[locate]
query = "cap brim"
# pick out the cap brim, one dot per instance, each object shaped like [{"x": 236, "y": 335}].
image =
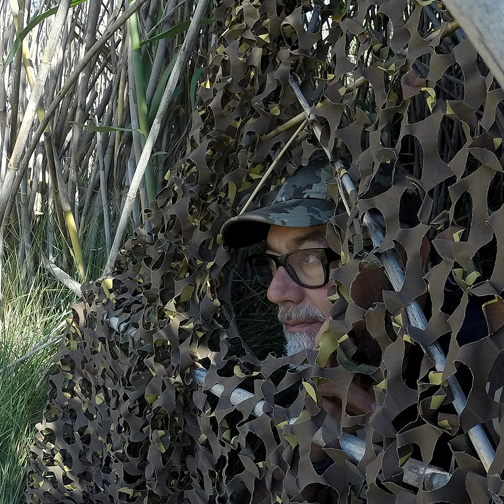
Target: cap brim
[{"x": 252, "y": 227}]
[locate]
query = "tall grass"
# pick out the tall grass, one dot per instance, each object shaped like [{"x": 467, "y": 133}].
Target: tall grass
[{"x": 33, "y": 319}]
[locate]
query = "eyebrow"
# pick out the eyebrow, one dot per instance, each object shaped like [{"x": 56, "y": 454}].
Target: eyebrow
[{"x": 316, "y": 236}]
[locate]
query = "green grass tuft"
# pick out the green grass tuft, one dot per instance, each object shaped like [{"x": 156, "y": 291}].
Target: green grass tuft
[{"x": 30, "y": 317}]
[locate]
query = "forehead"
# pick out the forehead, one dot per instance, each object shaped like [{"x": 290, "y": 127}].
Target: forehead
[{"x": 284, "y": 239}]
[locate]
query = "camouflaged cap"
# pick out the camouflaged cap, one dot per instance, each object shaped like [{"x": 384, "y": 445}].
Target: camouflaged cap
[{"x": 300, "y": 202}]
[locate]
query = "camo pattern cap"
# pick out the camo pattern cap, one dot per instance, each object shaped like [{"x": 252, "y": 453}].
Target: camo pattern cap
[{"x": 300, "y": 202}]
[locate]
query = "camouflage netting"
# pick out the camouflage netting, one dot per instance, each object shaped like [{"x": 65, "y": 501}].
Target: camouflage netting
[{"x": 407, "y": 104}]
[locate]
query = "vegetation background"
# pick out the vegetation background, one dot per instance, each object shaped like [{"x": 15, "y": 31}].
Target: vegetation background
[
  {"x": 89, "y": 91},
  {"x": 80, "y": 89}
]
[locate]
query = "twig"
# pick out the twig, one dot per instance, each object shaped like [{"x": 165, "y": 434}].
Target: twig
[
  {"x": 16, "y": 79},
  {"x": 66, "y": 207},
  {"x": 120, "y": 105},
  {"x": 103, "y": 189},
  {"x": 31, "y": 108},
  {"x": 182, "y": 58},
  {"x": 25, "y": 234},
  {"x": 138, "y": 105},
  {"x": 92, "y": 181},
  {"x": 82, "y": 91},
  {"x": 301, "y": 116},
  {"x": 275, "y": 162},
  {"x": 63, "y": 277},
  {"x": 136, "y": 210},
  {"x": 446, "y": 30},
  {"x": 57, "y": 214},
  {"x": 64, "y": 92}
]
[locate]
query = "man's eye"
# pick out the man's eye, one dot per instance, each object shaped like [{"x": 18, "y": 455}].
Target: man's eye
[{"x": 310, "y": 258}]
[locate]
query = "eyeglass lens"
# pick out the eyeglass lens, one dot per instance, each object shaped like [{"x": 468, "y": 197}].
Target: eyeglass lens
[{"x": 305, "y": 267}]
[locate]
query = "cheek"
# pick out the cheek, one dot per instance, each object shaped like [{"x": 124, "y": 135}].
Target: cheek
[{"x": 318, "y": 299}]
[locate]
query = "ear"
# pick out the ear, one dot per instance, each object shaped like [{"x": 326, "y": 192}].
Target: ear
[{"x": 425, "y": 250}]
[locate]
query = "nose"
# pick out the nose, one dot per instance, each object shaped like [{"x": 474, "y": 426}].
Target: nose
[{"x": 283, "y": 289}]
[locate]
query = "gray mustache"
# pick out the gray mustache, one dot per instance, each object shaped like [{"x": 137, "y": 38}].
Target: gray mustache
[{"x": 300, "y": 313}]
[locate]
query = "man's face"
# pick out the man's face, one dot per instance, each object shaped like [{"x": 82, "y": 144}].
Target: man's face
[{"x": 302, "y": 311}]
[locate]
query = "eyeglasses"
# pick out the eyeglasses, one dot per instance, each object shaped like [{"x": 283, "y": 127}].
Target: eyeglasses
[{"x": 309, "y": 268}]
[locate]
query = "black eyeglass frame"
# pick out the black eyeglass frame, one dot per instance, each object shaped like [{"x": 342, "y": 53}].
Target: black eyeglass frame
[{"x": 325, "y": 254}]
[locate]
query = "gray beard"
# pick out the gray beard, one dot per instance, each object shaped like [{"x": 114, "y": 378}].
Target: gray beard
[{"x": 295, "y": 342}]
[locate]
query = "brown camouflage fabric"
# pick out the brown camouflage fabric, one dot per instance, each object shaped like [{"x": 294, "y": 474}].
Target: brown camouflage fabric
[{"x": 405, "y": 100}]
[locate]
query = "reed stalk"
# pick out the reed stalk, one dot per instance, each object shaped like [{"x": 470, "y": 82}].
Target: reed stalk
[{"x": 182, "y": 58}]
